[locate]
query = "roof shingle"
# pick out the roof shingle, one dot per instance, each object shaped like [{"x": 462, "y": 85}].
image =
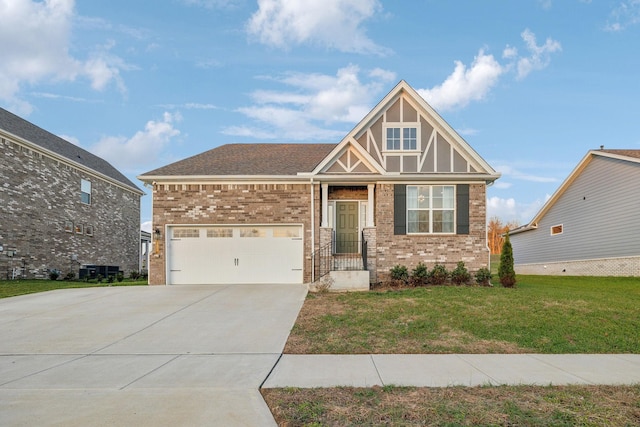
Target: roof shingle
[
  {"x": 628, "y": 153},
  {"x": 249, "y": 159},
  {"x": 38, "y": 136}
]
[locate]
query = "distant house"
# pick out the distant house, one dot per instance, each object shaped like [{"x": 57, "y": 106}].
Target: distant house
[
  {"x": 591, "y": 224},
  {"x": 401, "y": 188},
  {"x": 60, "y": 206}
]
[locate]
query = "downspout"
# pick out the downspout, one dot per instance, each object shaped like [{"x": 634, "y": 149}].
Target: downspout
[{"x": 313, "y": 233}]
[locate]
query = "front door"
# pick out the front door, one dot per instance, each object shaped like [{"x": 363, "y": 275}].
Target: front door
[{"x": 347, "y": 228}]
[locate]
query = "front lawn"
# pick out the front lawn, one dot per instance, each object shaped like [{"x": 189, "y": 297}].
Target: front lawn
[
  {"x": 543, "y": 314},
  {"x": 457, "y": 406},
  {"x": 11, "y": 288}
]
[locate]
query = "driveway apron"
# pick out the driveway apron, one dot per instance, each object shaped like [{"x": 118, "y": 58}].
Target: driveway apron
[{"x": 165, "y": 355}]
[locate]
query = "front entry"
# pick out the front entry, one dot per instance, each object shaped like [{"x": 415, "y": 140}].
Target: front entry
[{"x": 347, "y": 228}]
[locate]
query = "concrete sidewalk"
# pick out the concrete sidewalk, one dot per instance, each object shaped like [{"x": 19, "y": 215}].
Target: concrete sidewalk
[{"x": 443, "y": 370}]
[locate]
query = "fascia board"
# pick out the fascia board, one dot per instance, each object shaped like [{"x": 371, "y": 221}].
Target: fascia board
[{"x": 66, "y": 160}]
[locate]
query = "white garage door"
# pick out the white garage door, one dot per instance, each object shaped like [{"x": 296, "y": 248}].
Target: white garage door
[{"x": 241, "y": 254}]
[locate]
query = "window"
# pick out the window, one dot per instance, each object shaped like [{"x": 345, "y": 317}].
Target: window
[
  {"x": 556, "y": 229},
  {"x": 219, "y": 232},
  {"x": 430, "y": 208},
  {"x": 88, "y": 230},
  {"x": 85, "y": 191},
  {"x": 253, "y": 232},
  {"x": 291, "y": 232},
  {"x": 401, "y": 138},
  {"x": 186, "y": 233},
  {"x": 68, "y": 226},
  {"x": 79, "y": 229}
]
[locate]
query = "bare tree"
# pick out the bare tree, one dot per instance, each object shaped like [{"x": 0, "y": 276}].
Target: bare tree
[{"x": 495, "y": 230}]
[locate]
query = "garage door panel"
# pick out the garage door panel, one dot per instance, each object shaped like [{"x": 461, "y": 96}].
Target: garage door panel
[{"x": 227, "y": 255}]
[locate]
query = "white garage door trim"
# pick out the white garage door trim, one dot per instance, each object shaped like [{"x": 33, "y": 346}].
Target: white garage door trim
[{"x": 235, "y": 254}]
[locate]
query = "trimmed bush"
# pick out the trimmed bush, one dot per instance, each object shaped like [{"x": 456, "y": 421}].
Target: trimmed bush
[
  {"x": 460, "y": 275},
  {"x": 134, "y": 275},
  {"x": 70, "y": 276},
  {"x": 483, "y": 277},
  {"x": 399, "y": 272},
  {"x": 439, "y": 275},
  {"x": 54, "y": 274},
  {"x": 120, "y": 277},
  {"x": 420, "y": 275}
]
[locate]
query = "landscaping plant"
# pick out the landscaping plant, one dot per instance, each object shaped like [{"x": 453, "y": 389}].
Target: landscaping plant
[
  {"x": 399, "y": 272},
  {"x": 506, "y": 273},
  {"x": 483, "y": 277},
  {"x": 460, "y": 275},
  {"x": 420, "y": 275},
  {"x": 439, "y": 275}
]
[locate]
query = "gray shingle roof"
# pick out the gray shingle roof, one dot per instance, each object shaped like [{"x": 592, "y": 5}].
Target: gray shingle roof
[
  {"x": 249, "y": 159},
  {"x": 620, "y": 152},
  {"x": 15, "y": 125}
]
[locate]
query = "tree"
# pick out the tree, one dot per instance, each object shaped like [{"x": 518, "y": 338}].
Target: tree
[
  {"x": 506, "y": 273},
  {"x": 495, "y": 230}
]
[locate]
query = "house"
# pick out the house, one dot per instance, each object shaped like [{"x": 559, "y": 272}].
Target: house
[
  {"x": 401, "y": 188},
  {"x": 61, "y": 207},
  {"x": 591, "y": 224}
]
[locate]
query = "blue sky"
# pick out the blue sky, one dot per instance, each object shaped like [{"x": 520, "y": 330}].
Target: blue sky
[{"x": 531, "y": 85}]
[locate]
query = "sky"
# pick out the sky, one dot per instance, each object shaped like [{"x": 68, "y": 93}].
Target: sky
[{"x": 531, "y": 85}]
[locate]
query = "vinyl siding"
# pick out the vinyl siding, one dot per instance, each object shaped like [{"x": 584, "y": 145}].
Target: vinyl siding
[{"x": 599, "y": 213}]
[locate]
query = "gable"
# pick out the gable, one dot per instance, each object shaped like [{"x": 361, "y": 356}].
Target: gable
[
  {"x": 404, "y": 135},
  {"x": 350, "y": 160}
]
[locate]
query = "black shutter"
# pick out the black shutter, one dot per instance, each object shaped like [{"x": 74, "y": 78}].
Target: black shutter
[
  {"x": 399, "y": 209},
  {"x": 462, "y": 209}
]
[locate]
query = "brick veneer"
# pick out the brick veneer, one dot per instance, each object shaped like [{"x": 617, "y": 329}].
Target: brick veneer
[
  {"x": 209, "y": 204},
  {"x": 447, "y": 250},
  {"x": 236, "y": 204},
  {"x": 40, "y": 193}
]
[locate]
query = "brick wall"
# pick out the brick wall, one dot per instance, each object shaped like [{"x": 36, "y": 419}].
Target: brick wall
[
  {"x": 447, "y": 250},
  {"x": 209, "y": 204},
  {"x": 629, "y": 266},
  {"x": 39, "y": 195}
]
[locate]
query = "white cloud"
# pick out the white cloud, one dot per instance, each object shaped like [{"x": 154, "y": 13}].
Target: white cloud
[
  {"x": 333, "y": 24},
  {"x": 514, "y": 173},
  {"x": 540, "y": 56},
  {"x": 34, "y": 36},
  {"x": 142, "y": 149},
  {"x": 502, "y": 185},
  {"x": 474, "y": 83},
  {"x": 465, "y": 84},
  {"x": 313, "y": 102},
  {"x": 626, "y": 14},
  {"x": 510, "y": 210}
]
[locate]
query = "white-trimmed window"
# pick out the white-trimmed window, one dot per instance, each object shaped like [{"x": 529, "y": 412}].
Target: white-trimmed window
[
  {"x": 401, "y": 137},
  {"x": 556, "y": 229},
  {"x": 79, "y": 229},
  {"x": 219, "y": 232},
  {"x": 88, "y": 230},
  {"x": 85, "y": 191},
  {"x": 430, "y": 209},
  {"x": 68, "y": 226}
]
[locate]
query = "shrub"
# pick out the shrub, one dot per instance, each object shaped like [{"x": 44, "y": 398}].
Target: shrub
[
  {"x": 399, "y": 272},
  {"x": 120, "y": 277},
  {"x": 460, "y": 275},
  {"x": 483, "y": 277},
  {"x": 99, "y": 278},
  {"x": 70, "y": 276},
  {"x": 439, "y": 275},
  {"x": 134, "y": 275},
  {"x": 110, "y": 278},
  {"x": 506, "y": 273},
  {"x": 54, "y": 274},
  {"x": 420, "y": 275}
]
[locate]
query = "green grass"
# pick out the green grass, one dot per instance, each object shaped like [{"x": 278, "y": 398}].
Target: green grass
[
  {"x": 543, "y": 314},
  {"x": 457, "y": 406},
  {"x": 11, "y": 288}
]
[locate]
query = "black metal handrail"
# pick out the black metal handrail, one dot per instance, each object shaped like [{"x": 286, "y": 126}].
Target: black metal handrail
[{"x": 325, "y": 259}]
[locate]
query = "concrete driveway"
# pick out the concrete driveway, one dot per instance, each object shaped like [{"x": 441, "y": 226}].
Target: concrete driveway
[{"x": 144, "y": 356}]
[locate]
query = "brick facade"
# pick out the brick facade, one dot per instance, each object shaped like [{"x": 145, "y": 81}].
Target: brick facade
[
  {"x": 40, "y": 195},
  {"x": 232, "y": 204},
  {"x": 237, "y": 204},
  {"x": 447, "y": 250}
]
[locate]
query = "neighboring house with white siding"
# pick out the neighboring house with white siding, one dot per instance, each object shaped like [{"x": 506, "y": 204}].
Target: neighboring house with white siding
[{"x": 591, "y": 224}]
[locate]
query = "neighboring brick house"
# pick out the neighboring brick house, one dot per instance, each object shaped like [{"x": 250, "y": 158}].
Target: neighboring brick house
[
  {"x": 590, "y": 226},
  {"x": 61, "y": 206},
  {"x": 402, "y": 180}
]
